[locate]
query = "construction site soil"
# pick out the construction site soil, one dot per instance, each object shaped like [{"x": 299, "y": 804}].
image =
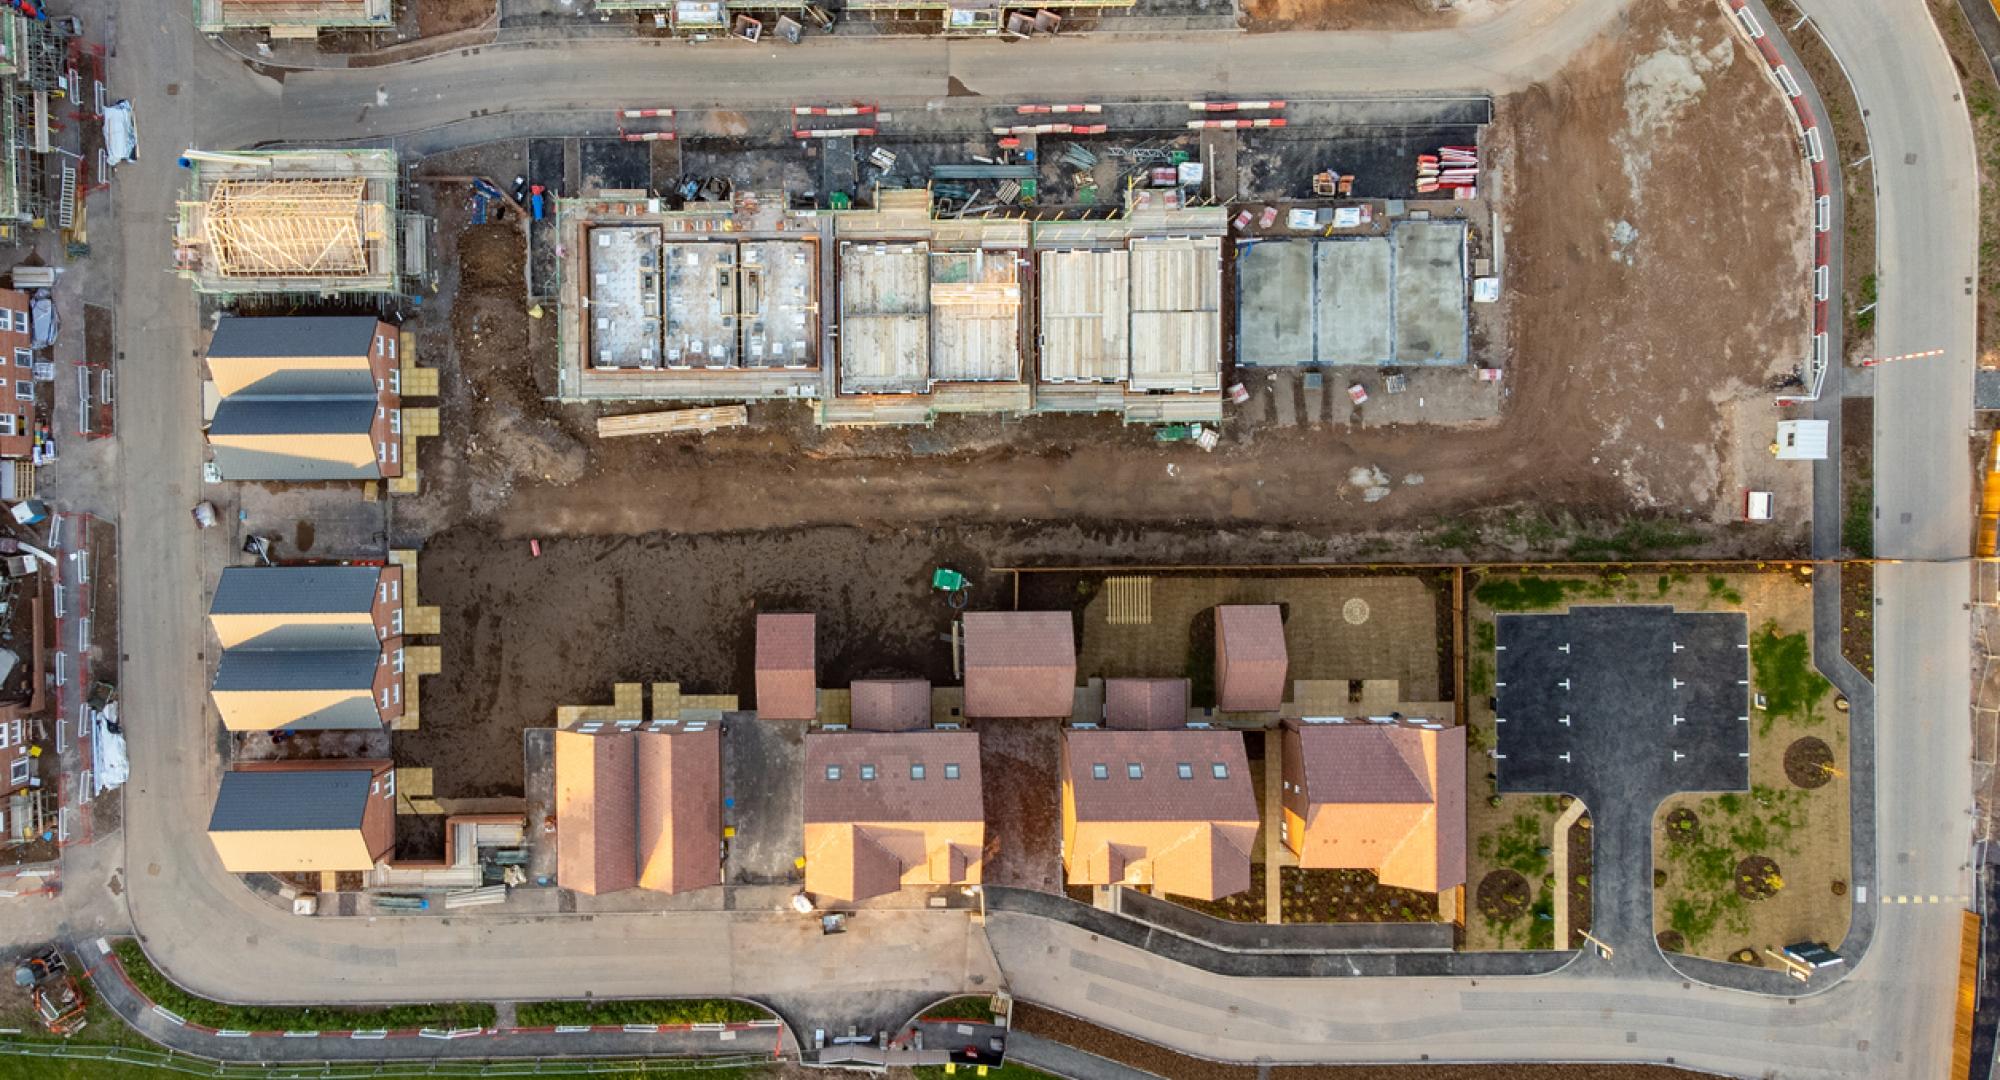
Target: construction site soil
[{"x": 1641, "y": 322}]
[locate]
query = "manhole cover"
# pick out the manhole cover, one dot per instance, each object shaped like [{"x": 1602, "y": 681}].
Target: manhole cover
[{"x": 1355, "y": 611}]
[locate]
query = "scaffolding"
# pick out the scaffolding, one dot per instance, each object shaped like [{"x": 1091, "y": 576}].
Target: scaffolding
[{"x": 295, "y": 16}]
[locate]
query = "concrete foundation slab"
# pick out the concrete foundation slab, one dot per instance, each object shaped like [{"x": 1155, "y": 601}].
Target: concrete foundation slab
[
  {"x": 1352, "y": 283},
  {"x": 1430, "y": 292},
  {"x": 1274, "y": 308}
]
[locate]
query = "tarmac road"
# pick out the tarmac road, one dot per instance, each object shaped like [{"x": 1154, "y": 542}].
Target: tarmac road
[
  {"x": 1504, "y": 53},
  {"x": 1892, "y": 1017}
]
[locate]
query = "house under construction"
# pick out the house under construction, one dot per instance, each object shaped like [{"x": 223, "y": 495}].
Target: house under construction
[
  {"x": 983, "y": 17},
  {"x": 699, "y": 18},
  {"x": 291, "y": 18},
  {"x": 310, "y": 222},
  {"x": 892, "y": 315}
]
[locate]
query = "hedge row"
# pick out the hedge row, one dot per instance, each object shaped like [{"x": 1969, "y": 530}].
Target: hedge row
[
  {"x": 215, "y": 1014},
  {"x": 662, "y": 1011}
]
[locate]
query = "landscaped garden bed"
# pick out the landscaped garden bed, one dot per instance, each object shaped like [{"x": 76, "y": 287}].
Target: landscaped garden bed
[
  {"x": 1741, "y": 872},
  {"x": 1320, "y": 896}
]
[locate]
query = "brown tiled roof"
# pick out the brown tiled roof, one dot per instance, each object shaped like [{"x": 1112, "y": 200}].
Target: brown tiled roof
[
  {"x": 1145, "y": 704},
  {"x": 1209, "y": 863},
  {"x": 639, "y": 809},
  {"x": 1019, "y": 664},
  {"x": 880, "y": 825},
  {"x": 844, "y": 863},
  {"x": 891, "y": 704},
  {"x": 597, "y": 812},
  {"x": 1160, "y": 793},
  {"x": 1383, "y": 797},
  {"x": 1249, "y": 658},
  {"x": 787, "y": 680},
  {"x": 680, "y": 807},
  {"x": 892, "y": 796}
]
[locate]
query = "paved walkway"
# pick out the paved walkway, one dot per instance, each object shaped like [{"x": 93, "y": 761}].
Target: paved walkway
[
  {"x": 1054, "y": 1057},
  {"x": 1559, "y": 841},
  {"x": 1274, "y": 814}
]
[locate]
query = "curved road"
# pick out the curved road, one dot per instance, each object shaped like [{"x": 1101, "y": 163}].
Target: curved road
[{"x": 1892, "y": 1016}]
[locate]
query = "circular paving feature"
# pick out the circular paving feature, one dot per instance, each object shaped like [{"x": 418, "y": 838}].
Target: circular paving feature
[{"x": 1355, "y": 611}]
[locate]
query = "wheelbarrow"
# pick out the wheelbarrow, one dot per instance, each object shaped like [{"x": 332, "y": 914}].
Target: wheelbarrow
[{"x": 958, "y": 591}]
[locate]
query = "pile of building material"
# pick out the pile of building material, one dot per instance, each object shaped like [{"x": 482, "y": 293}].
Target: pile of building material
[
  {"x": 674, "y": 422},
  {"x": 1452, "y": 168}
]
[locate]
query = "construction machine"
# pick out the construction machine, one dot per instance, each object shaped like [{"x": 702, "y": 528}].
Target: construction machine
[{"x": 57, "y": 998}]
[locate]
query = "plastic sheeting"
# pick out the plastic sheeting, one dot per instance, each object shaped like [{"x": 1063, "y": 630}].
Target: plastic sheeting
[
  {"x": 121, "y": 136},
  {"x": 107, "y": 751},
  {"x": 46, "y": 325}
]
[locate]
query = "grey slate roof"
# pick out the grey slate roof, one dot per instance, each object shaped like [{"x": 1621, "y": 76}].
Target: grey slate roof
[
  {"x": 288, "y": 590},
  {"x": 299, "y": 335},
  {"x": 309, "y": 383},
  {"x": 297, "y": 669},
  {"x": 287, "y": 801},
  {"x": 237, "y": 463},
  {"x": 239, "y": 414}
]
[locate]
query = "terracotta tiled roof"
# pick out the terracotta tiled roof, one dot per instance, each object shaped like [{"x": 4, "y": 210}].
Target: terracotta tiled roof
[
  {"x": 787, "y": 680},
  {"x": 1249, "y": 658},
  {"x": 891, "y": 704},
  {"x": 639, "y": 809},
  {"x": 1188, "y": 830},
  {"x": 1019, "y": 664},
  {"x": 844, "y": 863},
  {"x": 1145, "y": 704},
  {"x": 1160, "y": 792},
  {"x": 893, "y": 794},
  {"x": 884, "y": 810},
  {"x": 597, "y": 812},
  {"x": 1383, "y": 797},
  {"x": 680, "y": 807}
]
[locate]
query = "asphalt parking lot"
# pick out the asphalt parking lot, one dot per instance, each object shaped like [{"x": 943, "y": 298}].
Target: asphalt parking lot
[{"x": 1631, "y": 702}]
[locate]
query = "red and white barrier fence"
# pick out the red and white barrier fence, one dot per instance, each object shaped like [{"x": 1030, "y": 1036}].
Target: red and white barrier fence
[
  {"x": 1813, "y": 148},
  {"x": 1261, "y": 122},
  {"x": 1234, "y": 106},
  {"x": 641, "y": 114},
  {"x": 648, "y": 136},
  {"x": 831, "y": 133},
  {"x": 833, "y": 110},
  {"x": 1032, "y": 110},
  {"x": 1052, "y": 129}
]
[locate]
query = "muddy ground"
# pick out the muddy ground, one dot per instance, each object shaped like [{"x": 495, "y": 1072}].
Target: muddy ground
[
  {"x": 1641, "y": 312},
  {"x": 1654, "y": 195},
  {"x": 524, "y": 634}
]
